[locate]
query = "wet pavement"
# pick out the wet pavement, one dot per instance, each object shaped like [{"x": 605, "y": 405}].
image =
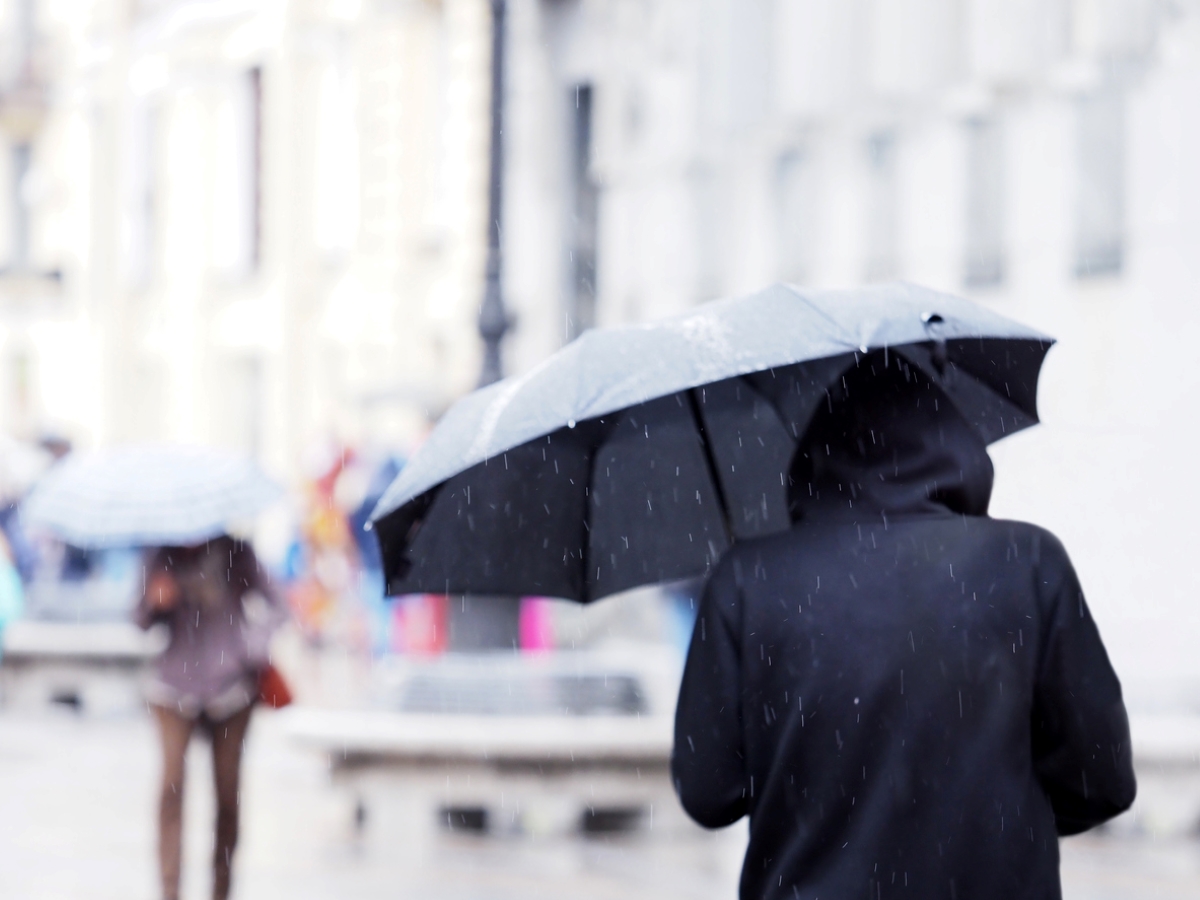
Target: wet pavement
[{"x": 76, "y": 821}]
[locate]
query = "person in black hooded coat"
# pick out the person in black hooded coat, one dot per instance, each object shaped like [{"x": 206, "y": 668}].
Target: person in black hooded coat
[{"x": 906, "y": 697}]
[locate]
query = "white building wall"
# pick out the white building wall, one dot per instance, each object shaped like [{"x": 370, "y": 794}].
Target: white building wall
[{"x": 691, "y": 195}]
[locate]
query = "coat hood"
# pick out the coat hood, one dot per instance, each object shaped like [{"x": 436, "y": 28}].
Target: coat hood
[{"x": 889, "y": 442}]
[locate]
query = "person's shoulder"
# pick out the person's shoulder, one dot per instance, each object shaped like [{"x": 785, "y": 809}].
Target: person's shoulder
[
  {"x": 1037, "y": 545},
  {"x": 750, "y": 559},
  {"x": 1023, "y": 532}
]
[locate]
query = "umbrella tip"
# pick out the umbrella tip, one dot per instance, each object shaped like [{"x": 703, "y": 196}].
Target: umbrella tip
[{"x": 932, "y": 318}]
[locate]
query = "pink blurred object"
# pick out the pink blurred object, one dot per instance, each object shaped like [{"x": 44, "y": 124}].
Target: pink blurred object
[
  {"x": 419, "y": 624},
  {"x": 536, "y": 627}
]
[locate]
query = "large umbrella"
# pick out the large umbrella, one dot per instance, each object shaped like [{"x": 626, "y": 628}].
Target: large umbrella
[
  {"x": 147, "y": 495},
  {"x": 636, "y": 455}
]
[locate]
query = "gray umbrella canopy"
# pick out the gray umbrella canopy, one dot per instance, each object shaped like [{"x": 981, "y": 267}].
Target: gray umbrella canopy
[{"x": 636, "y": 455}]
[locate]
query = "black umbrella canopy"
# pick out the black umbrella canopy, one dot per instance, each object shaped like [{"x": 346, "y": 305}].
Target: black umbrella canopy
[{"x": 637, "y": 455}]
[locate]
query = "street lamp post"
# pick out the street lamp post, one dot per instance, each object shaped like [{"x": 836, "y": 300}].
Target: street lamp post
[
  {"x": 493, "y": 318},
  {"x": 495, "y": 623}
]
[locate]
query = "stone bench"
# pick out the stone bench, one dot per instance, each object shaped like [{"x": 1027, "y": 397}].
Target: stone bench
[
  {"x": 507, "y": 742},
  {"x": 87, "y": 665}
]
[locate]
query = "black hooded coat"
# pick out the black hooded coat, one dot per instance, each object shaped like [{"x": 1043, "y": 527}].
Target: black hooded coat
[{"x": 907, "y": 698}]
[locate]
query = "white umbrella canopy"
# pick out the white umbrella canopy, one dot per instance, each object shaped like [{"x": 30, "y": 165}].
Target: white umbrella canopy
[{"x": 148, "y": 495}]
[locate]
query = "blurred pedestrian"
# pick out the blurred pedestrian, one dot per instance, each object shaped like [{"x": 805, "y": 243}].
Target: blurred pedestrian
[
  {"x": 905, "y": 696},
  {"x": 379, "y": 608},
  {"x": 12, "y": 592},
  {"x": 220, "y": 611},
  {"x": 323, "y": 593}
]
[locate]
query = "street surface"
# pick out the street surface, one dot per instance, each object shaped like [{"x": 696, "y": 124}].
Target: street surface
[{"x": 77, "y": 821}]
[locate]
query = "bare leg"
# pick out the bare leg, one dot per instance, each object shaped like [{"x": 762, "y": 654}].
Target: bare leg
[
  {"x": 174, "y": 730},
  {"x": 228, "y": 737}
]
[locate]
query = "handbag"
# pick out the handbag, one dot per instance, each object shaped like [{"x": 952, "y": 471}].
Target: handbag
[{"x": 273, "y": 690}]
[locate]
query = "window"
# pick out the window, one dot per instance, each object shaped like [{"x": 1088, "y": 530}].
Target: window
[
  {"x": 255, "y": 91},
  {"x": 22, "y": 155},
  {"x": 795, "y": 203},
  {"x": 584, "y": 199},
  {"x": 141, "y": 201},
  {"x": 1100, "y": 185},
  {"x": 881, "y": 226},
  {"x": 20, "y": 389},
  {"x": 236, "y": 236},
  {"x": 984, "y": 263},
  {"x": 337, "y": 180},
  {"x": 245, "y": 404}
]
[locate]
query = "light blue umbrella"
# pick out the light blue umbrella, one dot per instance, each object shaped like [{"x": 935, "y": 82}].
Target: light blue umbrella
[{"x": 148, "y": 495}]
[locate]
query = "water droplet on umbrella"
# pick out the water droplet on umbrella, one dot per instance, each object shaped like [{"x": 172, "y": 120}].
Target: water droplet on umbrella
[{"x": 570, "y": 423}]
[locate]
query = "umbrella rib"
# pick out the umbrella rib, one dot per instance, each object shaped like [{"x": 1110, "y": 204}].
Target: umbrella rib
[
  {"x": 585, "y": 548},
  {"x": 713, "y": 471},
  {"x": 838, "y": 326}
]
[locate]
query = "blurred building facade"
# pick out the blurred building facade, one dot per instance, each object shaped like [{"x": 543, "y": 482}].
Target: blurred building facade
[
  {"x": 677, "y": 151},
  {"x": 255, "y": 224},
  {"x": 1034, "y": 154},
  {"x": 259, "y": 223}
]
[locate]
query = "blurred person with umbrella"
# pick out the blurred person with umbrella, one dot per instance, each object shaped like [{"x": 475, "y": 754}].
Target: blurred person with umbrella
[
  {"x": 20, "y": 466},
  {"x": 205, "y": 586},
  {"x": 370, "y": 562},
  {"x": 12, "y": 592},
  {"x": 323, "y": 559},
  {"x": 646, "y": 454}
]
